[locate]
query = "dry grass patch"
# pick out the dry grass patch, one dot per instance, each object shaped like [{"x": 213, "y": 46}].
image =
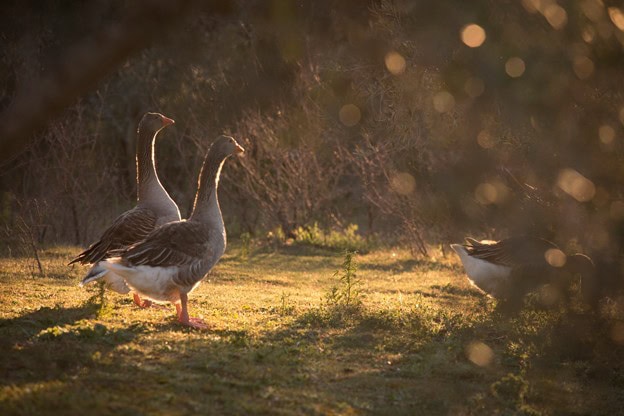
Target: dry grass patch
[{"x": 419, "y": 340}]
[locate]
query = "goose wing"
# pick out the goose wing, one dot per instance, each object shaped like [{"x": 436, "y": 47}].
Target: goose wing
[
  {"x": 516, "y": 252},
  {"x": 174, "y": 244},
  {"x": 130, "y": 227}
]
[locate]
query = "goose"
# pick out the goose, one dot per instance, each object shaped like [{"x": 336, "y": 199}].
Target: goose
[
  {"x": 154, "y": 207},
  {"x": 173, "y": 259},
  {"x": 510, "y": 268}
]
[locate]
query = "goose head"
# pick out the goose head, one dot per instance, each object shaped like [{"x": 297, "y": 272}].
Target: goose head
[
  {"x": 154, "y": 122},
  {"x": 226, "y": 146}
]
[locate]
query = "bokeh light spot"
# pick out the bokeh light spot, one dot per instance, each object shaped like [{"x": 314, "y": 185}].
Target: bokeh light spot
[
  {"x": 606, "y": 134},
  {"x": 515, "y": 67},
  {"x": 479, "y": 353},
  {"x": 403, "y": 183},
  {"x": 485, "y": 140},
  {"x": 474, "y": 87},
  {"x": 617, "y": 333},
  {"x": 555, "y": 257},
  {"x": 486, "y": 194},
  {"x": 443, "y": 102},
  {"x": 617, "y": 17},
  {"x": 555, "y": 15},
  {"x": 494, "y": 192},
  {"x": 583, "y": 67},
  {"x": 349, "y": 115},
  {"x": 473, "y": 35},
  {"x": 576, "y": 185},
  {"x": 395, "y": 63},
  {"x": 588, "y": 34}
]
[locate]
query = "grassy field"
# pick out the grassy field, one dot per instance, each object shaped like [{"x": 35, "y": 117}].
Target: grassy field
[{"x": 416, "y": 339}]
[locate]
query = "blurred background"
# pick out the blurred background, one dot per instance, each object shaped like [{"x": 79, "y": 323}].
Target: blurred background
[{"x": 405, "y": 122}]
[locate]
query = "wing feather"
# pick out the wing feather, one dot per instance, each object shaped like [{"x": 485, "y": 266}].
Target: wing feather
[
  {"x": 129, "y": 228},
  {"x": 173, "y": 244},
  {"x": 513, "y": 252}
]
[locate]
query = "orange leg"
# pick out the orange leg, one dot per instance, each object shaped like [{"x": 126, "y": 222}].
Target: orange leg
[
  {"x": 145, "y": 303},
  {"x": 183, "y": 316},
  {"x": 141, "y": 303}
]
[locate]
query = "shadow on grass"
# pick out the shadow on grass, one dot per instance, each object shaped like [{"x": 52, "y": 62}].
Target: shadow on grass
[
  {"x": 458, "y": 291},
  {"x": 318, "y": 361},
  {"x": 446, "y": 292},
  {"x": 52, "y": 343}
]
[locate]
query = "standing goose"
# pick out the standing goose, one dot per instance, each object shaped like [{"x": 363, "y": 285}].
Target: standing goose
[
  {"x": 154, "y": 207},
  {"x": 510, "y": 268},
  {"x": 171, "y": 261}
]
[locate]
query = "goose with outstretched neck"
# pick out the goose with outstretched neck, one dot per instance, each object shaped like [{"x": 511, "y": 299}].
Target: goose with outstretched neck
[
  {"x": 173, "y": 259},
  {"x": 154, "y": 207}
]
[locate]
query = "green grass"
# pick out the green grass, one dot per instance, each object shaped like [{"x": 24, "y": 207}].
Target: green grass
[{"x": 277, "y": 346}]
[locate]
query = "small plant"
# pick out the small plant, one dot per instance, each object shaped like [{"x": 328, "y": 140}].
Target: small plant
[
  {"x": 245, "y": 245},
  {"x": 99, "y": 301},
  {"x": 276, "y": 237},
  {"x": 285, "y": 307},
  {"x": 345, "y": 293},
  {"x": 512, "y": 391},
  {"x": 29, "y": 232}
]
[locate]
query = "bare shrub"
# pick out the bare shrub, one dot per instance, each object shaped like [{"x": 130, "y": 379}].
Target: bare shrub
[
  {"x": 289, "y": 175},
  {"x": 26, "y": 230}
]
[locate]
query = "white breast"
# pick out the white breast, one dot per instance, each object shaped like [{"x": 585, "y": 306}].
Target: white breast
[{"x": 489, "y": 277}]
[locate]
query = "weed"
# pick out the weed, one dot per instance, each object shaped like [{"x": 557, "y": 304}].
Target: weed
[
  {"x": 511, "y": 391},
  {"x": 245, "y": 246},
  {"x": 285, "y": 307},
  {"x": 99, "y": 301},
  {"x": 345, "y": 293}
]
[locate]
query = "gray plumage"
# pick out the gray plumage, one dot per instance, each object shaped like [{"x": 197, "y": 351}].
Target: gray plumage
[
  {"x": 154, "y": 205},
  {"x": 171, "y": 261}
]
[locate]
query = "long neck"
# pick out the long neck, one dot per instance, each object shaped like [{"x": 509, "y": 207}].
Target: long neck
[
  {"x": 149, "y": 187},
  {"x": 206, "y": 206}
]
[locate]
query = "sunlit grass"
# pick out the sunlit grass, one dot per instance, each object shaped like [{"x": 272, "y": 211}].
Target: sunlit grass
[{"x": 422, "y": 341}]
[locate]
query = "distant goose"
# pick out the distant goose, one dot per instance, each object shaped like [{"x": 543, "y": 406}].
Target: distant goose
[
  {"x": 510, "y": 268},
  {"x": 171, "y": 261},
  {"x": 154, "y": 207}
]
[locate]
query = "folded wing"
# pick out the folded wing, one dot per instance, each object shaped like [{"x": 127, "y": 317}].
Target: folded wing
[
  {"x": 174, "y": 244},
  {"x": 130, "y": 227}
]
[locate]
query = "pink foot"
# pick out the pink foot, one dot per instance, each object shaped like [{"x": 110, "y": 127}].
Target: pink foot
[
  {"x": 183, "y": 316},
  {"x": 197, "y": 323}
]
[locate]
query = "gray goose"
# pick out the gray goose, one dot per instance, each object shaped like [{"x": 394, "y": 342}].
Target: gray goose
[
  {"x": 154, "y": 207},
  {"x": 172, "y": 260},
  {"x": 510, "y": 268}
]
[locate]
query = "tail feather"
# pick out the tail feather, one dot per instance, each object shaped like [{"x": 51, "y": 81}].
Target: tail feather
[
  {"x": 94, "y": 253},
  {"x": 459, "y": 249},
  {"x": 94, "y": 273},
  {"x": 473, "y": 242}
]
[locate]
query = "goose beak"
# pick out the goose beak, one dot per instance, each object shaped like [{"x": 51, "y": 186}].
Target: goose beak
[
  {"x": 238, "y": 149},
  {"x": 167, "y": 121}
]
